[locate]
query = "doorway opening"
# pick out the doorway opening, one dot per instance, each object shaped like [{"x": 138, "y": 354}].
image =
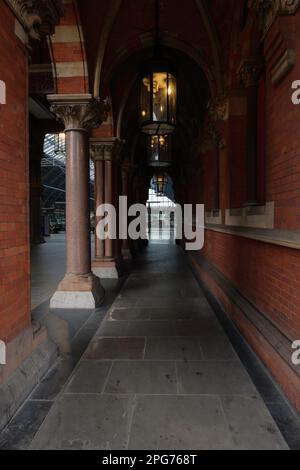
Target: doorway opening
[{"x": 161, "y": 213}]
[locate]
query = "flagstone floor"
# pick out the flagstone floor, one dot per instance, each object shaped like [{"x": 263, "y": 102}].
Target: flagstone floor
[{"x": 160, "y": 373}]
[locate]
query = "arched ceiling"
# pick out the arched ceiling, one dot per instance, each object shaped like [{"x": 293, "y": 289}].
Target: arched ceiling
[
  {"x": 195, "y": 35},
  {"x": 116, "y": 29},
  {"x": 193, "y": 95}
]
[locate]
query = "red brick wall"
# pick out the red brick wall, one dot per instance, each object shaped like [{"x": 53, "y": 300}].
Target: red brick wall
[
  {"x": 211, "y": 178},
  {"x": 283, "y": 131},
  {"x": 261, "y": 144},
  {"x": 237, "y": 155},
  {"x": 268, "y": 275},
  {"x": 14, "y": 244},
  {"x": 65, "y": 51},
  {"x": 281, "y": 371}
]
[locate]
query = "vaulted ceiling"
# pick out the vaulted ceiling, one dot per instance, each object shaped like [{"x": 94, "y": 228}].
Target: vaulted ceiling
[
  {"x": 117, "y": 29},
  {"x": 196, "y": 36}
]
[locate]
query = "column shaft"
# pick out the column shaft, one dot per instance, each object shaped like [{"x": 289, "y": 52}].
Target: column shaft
[
  {"x": 109, "y": 244},
  {"x": 77, "y": 204},
  {"x": 79, "y": 288},
  {"x": 125, "y": 246},
  {"x": 104, "y": 151},
  {"x": 99, "y": 200}
]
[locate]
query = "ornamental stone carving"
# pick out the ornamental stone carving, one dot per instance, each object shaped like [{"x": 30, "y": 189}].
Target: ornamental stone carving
[
  {"x": 38, "y": 17},
  {"x": 250, "y": 71},
  {"x": 218, "y": 108},
  {"x": 106, "y": 149},
  {"x": 210, "y": 136},
  {"x": 78, "y": 112},
  {"x": 268, "y": 10}
]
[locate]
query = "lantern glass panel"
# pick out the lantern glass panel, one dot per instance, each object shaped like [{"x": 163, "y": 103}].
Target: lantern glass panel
[
  {"x": 154, "y": 150},
  {"x": 172, "y": 98},
  {"x": 145, "y": 98},
  {"x": 158, "y": 100},
  {"x": 159, "y": 150},
  {"x": 165, "y": 149},
  {"x": 160, "y": 180},
  {"x": 160, "y": 97}
]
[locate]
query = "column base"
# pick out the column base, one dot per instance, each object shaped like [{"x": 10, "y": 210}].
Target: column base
[
  {"x": 107, "y": 268},
  {"x": 78, "y": 292},
  {"x": 38, "y": 240}
]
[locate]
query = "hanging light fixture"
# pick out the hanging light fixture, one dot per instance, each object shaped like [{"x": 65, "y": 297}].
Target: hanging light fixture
[
  {"x": 158, "y": 91},
  {"x": 160, "y": 181},
  {"x": 160, "y": 150},
  {"x": 60, "y": 143}
]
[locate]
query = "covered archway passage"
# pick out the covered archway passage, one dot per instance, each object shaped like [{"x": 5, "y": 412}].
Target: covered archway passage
[{"x": 134, "y": 344}]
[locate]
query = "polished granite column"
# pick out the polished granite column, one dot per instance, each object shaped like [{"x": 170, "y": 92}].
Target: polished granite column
[
  {"x": 105, "y": 153},
  {"x": 126, "y": 251},
  {"x": 80, "y": 288}
]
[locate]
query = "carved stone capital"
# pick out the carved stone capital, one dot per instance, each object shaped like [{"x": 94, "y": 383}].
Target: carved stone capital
[
  {"x": 218, "y": 108},
  {"x": 268, "y": 10},
  {"x": 288, "y": 7},
  {"x": 78, "y": 112},
  {"x": 105, "y": 149},
  {"x": 38, "y": 17},
  {"x": 250, "y": 71},
  {"x": 210, "y": 136}
]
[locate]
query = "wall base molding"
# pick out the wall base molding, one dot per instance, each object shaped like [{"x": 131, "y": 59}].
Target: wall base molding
[
  {"x": 272, "y": 345},
  {"x": 286, "y": 238},
  {"x": 26, "y": 377}
]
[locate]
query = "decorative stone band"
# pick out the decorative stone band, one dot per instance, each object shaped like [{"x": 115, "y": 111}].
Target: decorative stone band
[
  {"x": 250, "y": 71},
  {"x": 210, "y": 136},
  {"x": 78, "y": 112},
  {"x": 2, "y": 92},
  {"x": 106, "y": 149},
  {"x": 218, "y": 108},
  {"x": 268, "y": 10},
  {"x": 38, "y": 17}
]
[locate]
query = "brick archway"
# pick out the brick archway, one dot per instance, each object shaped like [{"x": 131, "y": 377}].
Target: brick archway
[{"x": 67, "y": 47}]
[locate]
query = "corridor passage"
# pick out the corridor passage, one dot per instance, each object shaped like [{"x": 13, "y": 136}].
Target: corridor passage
[{"x": 160, "y": 373}]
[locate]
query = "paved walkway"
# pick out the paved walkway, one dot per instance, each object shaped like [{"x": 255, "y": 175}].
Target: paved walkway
[
  {"x": 160, "y": 373},
  {"x": 47, "y": 268}
]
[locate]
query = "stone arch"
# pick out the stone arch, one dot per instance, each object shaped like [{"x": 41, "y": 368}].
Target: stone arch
[
  {"x": 168, "y": 41},
  {"x": 67, "y": 49},
  {"x": 114, "y": 8},
  {"x": 172, "y": 44}
]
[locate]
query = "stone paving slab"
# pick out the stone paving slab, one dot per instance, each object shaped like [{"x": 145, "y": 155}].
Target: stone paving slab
[
  {"x": 176, "y": 349},
  {"x": 179, "y": 423},
  {"x": 142, "y": 377},
  {"x": 86, "y": 422},
  {"x": 90, "y": 377},
  {"x": 116, "y": 348},
  {"x": 251, "y": 425},
  {"x": 160, "y": 373},
  {"x": 214, "y": 378}
]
